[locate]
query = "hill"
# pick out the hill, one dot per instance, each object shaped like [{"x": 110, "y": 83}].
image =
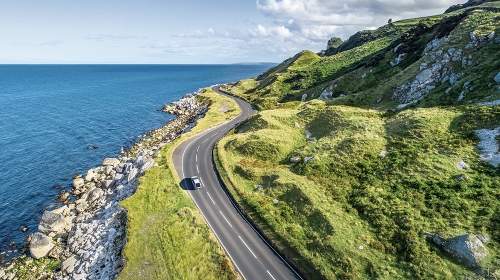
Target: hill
[{"x": 378, "y": 157}]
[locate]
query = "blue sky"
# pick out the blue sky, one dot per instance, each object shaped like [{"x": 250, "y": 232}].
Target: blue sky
[{"x": 187, "y": 31}]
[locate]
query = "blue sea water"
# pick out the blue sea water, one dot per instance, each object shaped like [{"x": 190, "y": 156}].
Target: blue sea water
[{"x": 51, "y": 114}]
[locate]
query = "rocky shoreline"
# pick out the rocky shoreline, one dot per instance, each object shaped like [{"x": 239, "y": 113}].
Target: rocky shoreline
[{"x": 87, "y": 234}]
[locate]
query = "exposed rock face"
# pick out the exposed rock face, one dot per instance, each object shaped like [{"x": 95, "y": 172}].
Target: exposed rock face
[
  {"x": 437, "y": 69},
  {"x": 40, "y": 245},
  {"x": 52, "y": 222},
  {"x": 497, "y": 78},
  {"x": 489, "y": 145},
  {"x": 467, "y": 249}
]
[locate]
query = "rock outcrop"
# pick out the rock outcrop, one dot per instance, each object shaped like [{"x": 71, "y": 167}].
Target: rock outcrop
[
  {"x": 467, "y": 249},
  {"x": 52, "y": 222},
  {"x": 40, "y": 245}
]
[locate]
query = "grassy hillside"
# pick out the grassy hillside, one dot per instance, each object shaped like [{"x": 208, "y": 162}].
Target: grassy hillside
[
  {"x": 352, "y": 186},
  {"x": 362, "y": 76}
]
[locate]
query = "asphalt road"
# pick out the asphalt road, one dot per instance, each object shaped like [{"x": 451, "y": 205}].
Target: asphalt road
[{"x": 250, "y": 254}]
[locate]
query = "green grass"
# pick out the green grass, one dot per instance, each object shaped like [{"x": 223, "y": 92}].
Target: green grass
[
  {"x": 363, "y": 73},
  {"x": 349, "y": 196},
  {"x": 167, "y": 237}
]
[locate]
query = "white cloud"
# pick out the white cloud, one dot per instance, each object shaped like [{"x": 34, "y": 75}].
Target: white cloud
[
  {"x": 296, "y": 25},
  {"x": 323, "y": 19}
]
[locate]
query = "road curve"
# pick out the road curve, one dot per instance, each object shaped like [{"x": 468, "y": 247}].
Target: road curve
[{"x": 250, "y": 254}]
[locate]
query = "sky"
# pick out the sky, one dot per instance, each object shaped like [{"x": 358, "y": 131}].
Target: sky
[{"x": 187, "y": 31}]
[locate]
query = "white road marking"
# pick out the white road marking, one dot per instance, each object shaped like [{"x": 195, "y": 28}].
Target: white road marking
[
  {"x": 198, "y": 148},
  {"x": 205, "y": 141},
  {"x": 227, "y": 221},
  {"x": 202, "y": 184},
  {"x": 271, "y": 275},
  {"x": 247, "y": 246},
  {"x": 215, "y": 233},
  {"x": 211, "y": 198},
  {"x": 197, "y": 169},
  {"x": 196, "y": 157}
]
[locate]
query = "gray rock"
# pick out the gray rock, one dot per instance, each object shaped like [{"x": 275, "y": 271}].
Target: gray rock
[
  {"x": 467, "y": 249},
  {"x": 81, "y": 207},
  {"x": 80, "y": 276},
  {"x": 424, "y": 76},
  {"x": 466, "y": 84},
  {"x": 90, "y": 175},
  {"x": 497, "y": 78},
  {"x": 383, "y": 153},
  {"x": 461, "y": 96},
  {"x": 68, "y": 266},
  {"x": 52, "y": 222},
  {"x": 108, "y": 184},
  {"x": 497, "y": 40},
  {"x": 304, "y": 97},
  {"x": 40, "y": 245},
  {"x": 308, "y": 159},
  {"x": 455, "y": 77},
  {"x": 473, "y": 36},
  {"x": 111, "y": 162},
  {"x": 95, "y": 194},
  {"x": 325, "y": 95},
  {"x": 491, "y": 35},
  {"x": 147, "y": 165},
  {"x": 132, "y": 174},
  {"x": 118, "y": 177},
  {"x": 78, "y": 183},
  {"x": 108, "y": 169},
  {"x": 55, "y": 252},
  {"x": 294, "y": 160},
  {"x": 462, "y": 165}
]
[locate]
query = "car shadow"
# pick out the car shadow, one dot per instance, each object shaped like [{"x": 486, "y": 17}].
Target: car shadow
[{"x": 186, "y": 184}]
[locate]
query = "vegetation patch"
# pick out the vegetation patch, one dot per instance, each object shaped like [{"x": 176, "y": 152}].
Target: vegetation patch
[{"x": 377, "y": 185}]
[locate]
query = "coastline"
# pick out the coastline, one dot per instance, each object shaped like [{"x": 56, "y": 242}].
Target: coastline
[{"x": 87, "y": 235}]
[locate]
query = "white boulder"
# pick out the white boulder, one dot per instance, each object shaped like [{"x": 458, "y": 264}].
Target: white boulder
[
  {"x": 111, "y": 162},
  {"x": 40, "y": 245},
  {"x": 52, "y": 222}
]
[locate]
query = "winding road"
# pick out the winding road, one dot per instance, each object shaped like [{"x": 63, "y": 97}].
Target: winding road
[{"x": 249, "y": 252}]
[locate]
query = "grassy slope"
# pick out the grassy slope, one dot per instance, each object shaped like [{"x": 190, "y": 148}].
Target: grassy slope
[
  {"x": 349, "y": 196},
  {"x": 307, "y": 73},
  {"x": 167, "y": 236}
]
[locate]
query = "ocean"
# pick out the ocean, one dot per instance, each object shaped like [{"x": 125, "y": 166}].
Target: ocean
[{"x": 52, "y": 115}]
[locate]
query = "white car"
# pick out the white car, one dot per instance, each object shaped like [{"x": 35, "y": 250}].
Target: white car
[{"x": 196, "y": 182}]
